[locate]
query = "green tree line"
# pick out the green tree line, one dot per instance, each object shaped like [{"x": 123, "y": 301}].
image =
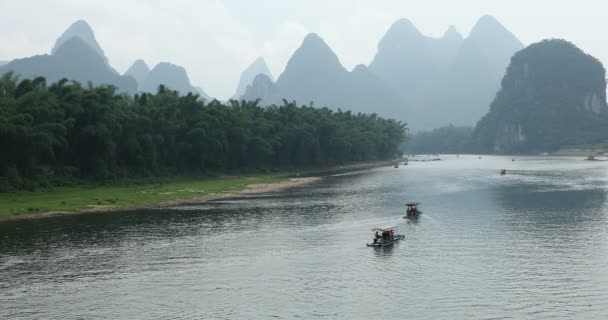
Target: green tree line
[
  {"x": 448, "y": 139},
  {"x": 64, "y": 132}
]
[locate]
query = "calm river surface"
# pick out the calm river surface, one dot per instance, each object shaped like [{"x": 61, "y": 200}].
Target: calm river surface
[{"x": 529, "y": 245}]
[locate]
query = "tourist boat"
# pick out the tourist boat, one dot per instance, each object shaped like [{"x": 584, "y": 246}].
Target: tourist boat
[
  {"x": 503, "y": 172},
  {"x": 412, "y": 211},
  {"x": 385, "y": 236}
]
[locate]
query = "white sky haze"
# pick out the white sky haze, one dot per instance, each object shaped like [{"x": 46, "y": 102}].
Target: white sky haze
[{"x": 215, "y": 40}]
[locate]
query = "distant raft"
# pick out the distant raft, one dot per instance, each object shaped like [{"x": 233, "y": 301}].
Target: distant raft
[{"x": 412, "y": 212}]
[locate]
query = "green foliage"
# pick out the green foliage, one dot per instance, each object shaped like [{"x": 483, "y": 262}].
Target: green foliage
[
  {"x": 449, "y": 139},
  {"x": 553, "y": 96},
  {"x": 126, "y": 194},
  {"x": 50, "y": 135}
]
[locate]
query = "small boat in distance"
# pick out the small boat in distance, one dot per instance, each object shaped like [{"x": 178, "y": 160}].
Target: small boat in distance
[
  {"x": 503, "y": 172},
  {"x": 412, "y": 211},
  {"x": 385, "y": 236}
]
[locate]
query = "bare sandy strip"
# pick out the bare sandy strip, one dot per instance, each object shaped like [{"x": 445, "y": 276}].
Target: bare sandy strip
[{"x": 250, "y": 190}]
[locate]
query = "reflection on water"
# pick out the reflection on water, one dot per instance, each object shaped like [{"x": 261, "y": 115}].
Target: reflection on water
[
  {"x": 529, "y": 244},
  {"x": 384, "y": 252}
]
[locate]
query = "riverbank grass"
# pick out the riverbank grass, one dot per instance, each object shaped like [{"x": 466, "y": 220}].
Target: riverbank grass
[{"x": 91, "y": 198}]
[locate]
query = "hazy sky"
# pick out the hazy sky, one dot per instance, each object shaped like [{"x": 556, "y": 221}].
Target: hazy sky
[{"x": 215, "y": 40}]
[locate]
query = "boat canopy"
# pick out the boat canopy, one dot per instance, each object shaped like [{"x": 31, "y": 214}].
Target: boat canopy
[
  {"x": 384, "y": 228},
  {"x": 409, "y": 204}
]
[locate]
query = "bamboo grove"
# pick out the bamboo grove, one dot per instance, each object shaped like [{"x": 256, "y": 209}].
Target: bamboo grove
[{"x": 65, "y": 132}]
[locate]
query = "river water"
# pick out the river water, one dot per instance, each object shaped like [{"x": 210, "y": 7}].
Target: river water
[{"x": 532, "y": 244}]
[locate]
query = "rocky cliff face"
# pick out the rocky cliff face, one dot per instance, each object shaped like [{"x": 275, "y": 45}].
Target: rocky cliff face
[{"x": 553, "y": 95}]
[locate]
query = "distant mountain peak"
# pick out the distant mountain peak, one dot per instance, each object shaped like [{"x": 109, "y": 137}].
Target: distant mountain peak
[
  {"x": 404, "y": 24},
  {"x": 75, "y": 60},
  {"x": 139, "y": 71},
  {"x": 259, "y": 67},
  {"x": 170, "y": 66},
  {"x": 312, "y": 56},
  {"x": 141, "y": 63},
  {"x": 82, "y": 30},
  {"x": 75, "y": 45},
  {"x": 401, "y": 31},
  {"x": 171, "y": 75},
  {"x": 81, "y": 24},
  {"x": 452, "y": 33},
  {"x": 256, "y": 68},
  {"x": 259, "y": 61},
  {"x": 490, "y": 30},
  {"x": 263, "y": 88},
  {"x": 487, "y": 19},
  {"x": 314, "y": 41}
]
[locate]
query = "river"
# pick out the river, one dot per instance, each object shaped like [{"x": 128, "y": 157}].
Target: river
[{"x": 532, "y": 244}]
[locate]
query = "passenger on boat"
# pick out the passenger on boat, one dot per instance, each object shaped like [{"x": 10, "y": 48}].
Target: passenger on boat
[{"x": 377, "y": 236}]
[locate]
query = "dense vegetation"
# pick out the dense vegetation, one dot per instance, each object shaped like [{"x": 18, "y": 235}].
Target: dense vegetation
[
  {"x": 52, "y": 134},
  {"x": 446, "y": 140},
  {"x": 553, "y": 95}
]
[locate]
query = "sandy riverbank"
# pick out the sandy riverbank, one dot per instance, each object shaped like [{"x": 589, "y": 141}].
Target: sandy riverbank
[{"x": 251, "y": 190}]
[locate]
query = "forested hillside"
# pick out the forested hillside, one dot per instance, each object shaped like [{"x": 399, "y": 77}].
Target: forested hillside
[
  {"x": 65, "y": 132},
  {"x": 553, "y": 96}
]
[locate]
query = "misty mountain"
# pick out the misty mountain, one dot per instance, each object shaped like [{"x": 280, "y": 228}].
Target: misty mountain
[
  {"x": 445, "y": 80},
  {"x": 139, "y": 71},
  {"x": 3, "y": 63},
  {"x": 553, "y": 95},
  {"x": 476, "y": 72},
  {"x": 369, "y": 94},
  {"x": 263, "y": 88},
  {"x": 74, "y": 60},
  {"x": 172, "y": 76},
  {"x": 315, "y": 74},
  {"x": 82, "y": 30},
  {"x": 247, "y": 77},
  {"x": 412, "y": 63},
  {"x": 448, "y": 79},
  {"x": 75, "y": 56}
]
